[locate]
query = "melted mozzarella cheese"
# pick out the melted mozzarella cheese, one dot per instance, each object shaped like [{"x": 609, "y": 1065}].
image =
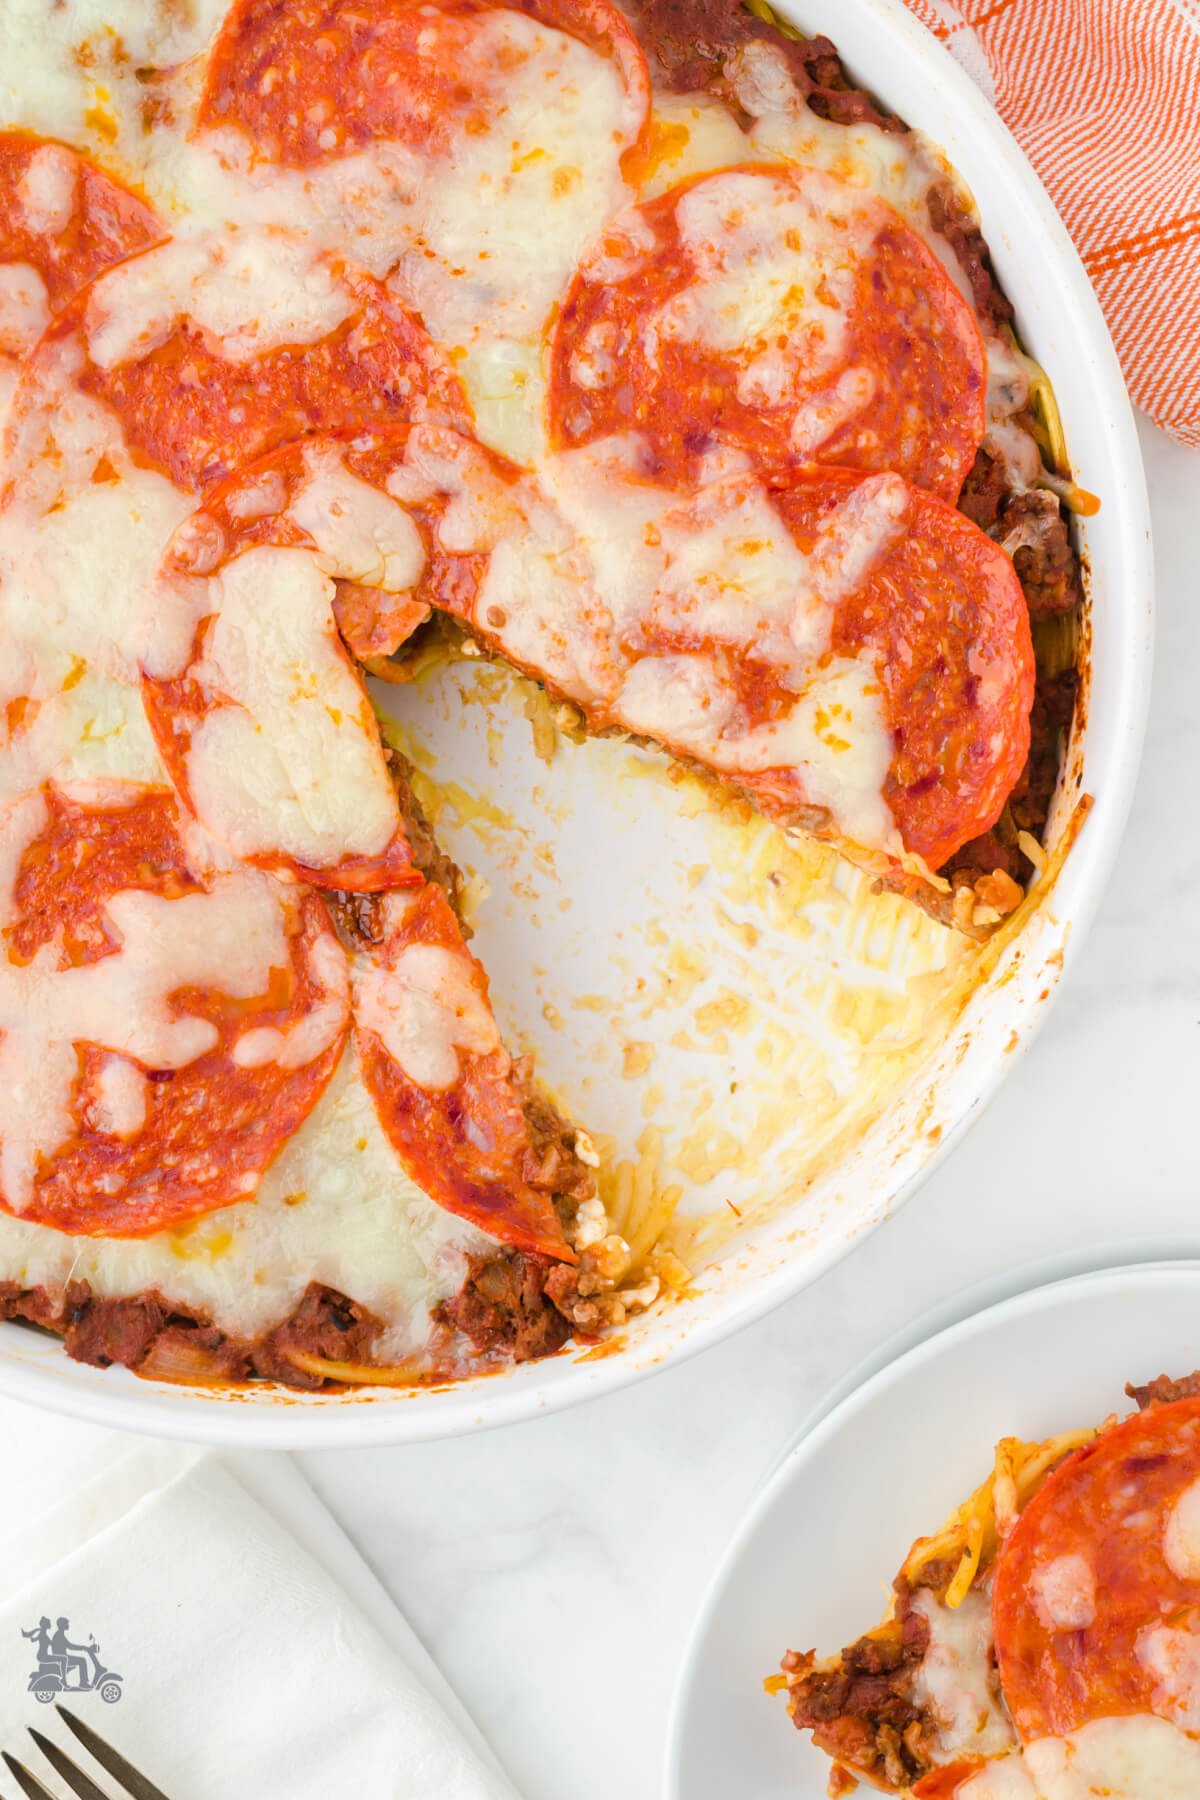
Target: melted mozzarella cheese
[
  {"x": 24, "y": 308},
  {"x": 335, "y": 1207},
  {"x": 95, "y": 727},
  {"x": 537, "y": 597},
  {"x": 119, "y": 1099},
  {"x": 293, "y": 758},
  {"x": 78, "y": 539},
  {"x": 1010, "y": 381},
  {"x": 425, "y": 1006},
  {"x": 1170, "y": 1655},
  {"x": 505, "y": 382},
  {"x": 1007, "y": 1778},
  {"x": 772, "y": 262},
  {"x": 359, "y": 206},
  {"x": 831, "y": 407},
  {"x": 502, "y": 221},
  {"x": 24, "y": 315},
  {"x": 732, "y": 572},
  {"x": 1064, "y": 1593},
  {"x": 1181, "y": 1540},
  {"x": 71, "y": 70},
  {"x": 837, "y": 738},
  {"x": 252, "y": 291},
  {"x": 691, "y": 134},
  {"x": 616, "y": 522},
  {"x": 680, "y": 700},
  {"x": 363, "y": 535},
  {"x": 549, "y": 150},
  {"x": 47, "y": 190},
  {"x": 1134, "y": 1757},
  {"x": 952, "y": 1681},
  {"x": 81, "y": 529}
]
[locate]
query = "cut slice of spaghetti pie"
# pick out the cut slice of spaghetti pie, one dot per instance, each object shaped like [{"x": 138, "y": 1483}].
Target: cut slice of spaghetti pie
[{"x": 1045, "y": 1645}]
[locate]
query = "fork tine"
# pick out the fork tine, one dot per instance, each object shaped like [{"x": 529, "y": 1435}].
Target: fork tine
[
  {"x": 109, "y": 1759},
  {"x": 75, "y": 1778},
  {"x": 28, "y": 1784}
]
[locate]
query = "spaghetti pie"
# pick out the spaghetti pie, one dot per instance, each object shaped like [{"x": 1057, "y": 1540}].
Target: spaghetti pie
[
  {"x": 637, "y": 343},
  {"x": 1045, "y": 1644}
]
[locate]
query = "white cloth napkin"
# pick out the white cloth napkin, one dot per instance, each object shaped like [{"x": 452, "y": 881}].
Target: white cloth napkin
[{"x": 245, "y": 1667}]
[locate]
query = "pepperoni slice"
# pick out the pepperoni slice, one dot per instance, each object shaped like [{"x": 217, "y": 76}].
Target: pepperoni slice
[
  {"x": 776, "y": 312},
  {"x": 258, "y": 711},
  {"x": 849, "y": 650},
  {"x": 1096, "y": 1602},
  {"x": 372, "y": 622},
  {"x": 214, "y": 350},
  {"x": 943, "y": 621},
  {"x": 949, "y": 1780},
  {"x": 443, "y": 127},
  {"x": 62, "y": 221},
  {"x": 165, "y": 1025},
  {"x": 64, "y": 216},
  {"x": 313, "y": 79},
  {"x": 441, "y": 1080}
]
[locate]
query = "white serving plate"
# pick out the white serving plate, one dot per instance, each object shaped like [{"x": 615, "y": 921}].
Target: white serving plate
[
  {"x": 811, "y": 1563},
  {"x": 616, "y": 860}
]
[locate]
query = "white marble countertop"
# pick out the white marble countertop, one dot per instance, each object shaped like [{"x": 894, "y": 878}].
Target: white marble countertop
[{"x": 554, "y": 1568}]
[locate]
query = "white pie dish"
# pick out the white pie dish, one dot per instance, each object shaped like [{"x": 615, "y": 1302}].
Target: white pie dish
[
  {"x": 1053, "y": 1356},
  {"x": 1062, "y": 326}
]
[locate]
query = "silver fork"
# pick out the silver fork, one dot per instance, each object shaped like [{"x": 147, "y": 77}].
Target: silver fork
[{"x": 79, "y": 1782}]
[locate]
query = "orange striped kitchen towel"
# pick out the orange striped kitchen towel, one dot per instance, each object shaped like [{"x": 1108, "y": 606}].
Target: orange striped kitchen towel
[{"x": 1104, "y": 98}]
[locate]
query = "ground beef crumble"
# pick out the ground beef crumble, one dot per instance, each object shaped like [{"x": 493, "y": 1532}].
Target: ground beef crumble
[
  {"x": 1045, "y": 561},
  {"x": 1164, "y": 1389},
  {"x": 951, "y": 217},
  {"x": 325, "y": 1324},
  {"x": 503, "y": 1307},
  {"x": 356, "y": 917},
  {"x": 105, "y": 1331},
  {"x": 552, "y": 1163},
  {"x": 687, "y": 44},
  {"x": 1049, "y": 722},
  {"x": 515, "y": 1303},
  {"x": 427, "y": 855},
  {"x": 1029, "y": 803},
  {"x": 861, "y": 1711},
  {"x": 147, "y": 1332}
]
